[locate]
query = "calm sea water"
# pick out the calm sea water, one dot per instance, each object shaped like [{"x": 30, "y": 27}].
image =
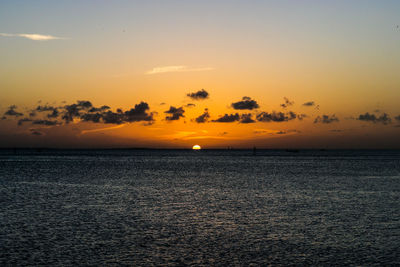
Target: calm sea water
[{"x": 181, "y": 207}]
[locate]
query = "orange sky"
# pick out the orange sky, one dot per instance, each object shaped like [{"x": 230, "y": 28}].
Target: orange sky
[{"x": 342, "y": 56}]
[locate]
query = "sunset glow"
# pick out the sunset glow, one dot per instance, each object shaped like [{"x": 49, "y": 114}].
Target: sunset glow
[{"x": 166, "y": 74}]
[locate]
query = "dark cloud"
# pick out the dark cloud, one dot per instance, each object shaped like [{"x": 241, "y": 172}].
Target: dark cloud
[
  {"x": 11, "y": 111},
  {"x": 300, "y": 117},
  {"x": 199, "y": 95},
  {"x": 287, "y": 103},
  {"x": 162, "y": 103},
  {"x": 246, "y": 103},
  {"x": 276, "y": 116},
  {"x": 54, "y": 111},
  {"x": 93, "y": 117},
  {"x": 85, "y": 111},
  {"x": 84, "y": 104},
  {"x": 73, "y": 111},
  {"x": 190, "y": 105},
  {"x": 176, "y": 113},
  {"x": 21, "y": 121},
  {"x": 309, "y": 104},
  {"x": 45, "y": 122},
  {"x": 203, "y": 117},
  {"x": 112, "y": 117},
  {"x": 326, "y": 119},
  {"x": 223, "y": 133},
  {"x": 100, "y": 109},
  {"x": 246, "y": 118},
  {"x": 34, "y": 132},
  {"x": 288, "y": 131},
  {"x": 139, "y": 113},
  {"x": 260, "y": 131},
  {"x": 54, "y": 114},
  {"x": 228, "y": 118},
  {"x": 44, "y": 108},
  {"x": 384, "y": 118}
]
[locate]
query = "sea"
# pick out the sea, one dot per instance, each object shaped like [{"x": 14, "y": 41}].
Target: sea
[{"x": 136, "y": 207}]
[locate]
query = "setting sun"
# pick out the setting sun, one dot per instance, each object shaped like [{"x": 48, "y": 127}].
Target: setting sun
[{"x": 196, "y": 147}]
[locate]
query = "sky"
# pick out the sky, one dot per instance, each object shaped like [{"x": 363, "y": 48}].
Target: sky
[{"x": 172, "y": 74}]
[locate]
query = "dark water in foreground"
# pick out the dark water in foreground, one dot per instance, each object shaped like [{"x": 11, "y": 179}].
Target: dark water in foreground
[{"x": 171, "y": 207}]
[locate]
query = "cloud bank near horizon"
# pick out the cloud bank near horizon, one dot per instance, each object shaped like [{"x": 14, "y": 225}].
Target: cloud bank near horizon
[{"x": 45, "y": 115}]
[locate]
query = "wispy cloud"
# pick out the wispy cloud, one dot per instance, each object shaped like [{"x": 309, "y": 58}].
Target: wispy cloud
[
  {"x": 32, "y": 36},
  {"x": 102, "y": 129},
  {"x": 166, "y": 69}
]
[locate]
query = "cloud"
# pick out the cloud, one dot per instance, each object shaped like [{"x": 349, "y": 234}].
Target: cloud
[
  {"x": 100, "y": 109},
  {"x": 45, "y": 122},
  {"x": 11, "y": 111},
  {"x": 53, "y": 114},
  {"x": 245, "y": 103},
  {"x": 204, "y": 137},
  {"x": 44, "y": 108},
  {"x": 309, "y": 104},
  {"x": 32, "y": 36},
  {"x": 83, "y": 110},
  {"x": 136, "y": 114},
  {"x": 139, "y": 113},
  {"x": 35, "y": 132},
  {"x": 228, "y": 118},
  {"x": 93, "y": 117},
  {"x": 176, "y": 113},
  {"x": 203, "y": 117},
  {"x": 199, "y": 95},
  {"x": 287, "y": 103},
  {"x": 73, "y": 111},
  {"x": 111, "y": 117},
  {"x": 384, "y": 118},
  {"x": 102, "y": 129},
  {"x": 276, "y": 116},
  {"x": 326, "y": 119},
  {"x": 288, "y": 131},
  {"x": 166, "y": 69},
  {"x": 300, "y": 117},
  {"x": 190, "y": 105},
  {"x": 274, "y": 132},
  {"x": 21, "y": 121},
  {"x": 246, "y": 118},
  {"x": 261, "y": 131},
  {"x": 54, "y": 111}
]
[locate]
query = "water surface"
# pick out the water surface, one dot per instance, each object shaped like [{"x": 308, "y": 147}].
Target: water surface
[{"x": 216, "y": 207}]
